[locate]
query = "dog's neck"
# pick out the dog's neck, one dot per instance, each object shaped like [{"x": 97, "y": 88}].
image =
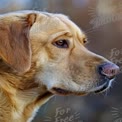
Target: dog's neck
[
  {"x": 23, "y": 93},
  {"x": 23, "y": 89}
]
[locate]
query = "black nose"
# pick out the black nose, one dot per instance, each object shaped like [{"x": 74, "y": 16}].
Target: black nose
[{"x": 109, "y": 70}]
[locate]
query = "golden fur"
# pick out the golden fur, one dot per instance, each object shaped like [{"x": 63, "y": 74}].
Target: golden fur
[{"x": 32, "y": 68}]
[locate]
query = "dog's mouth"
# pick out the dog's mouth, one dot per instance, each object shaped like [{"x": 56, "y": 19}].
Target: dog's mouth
[
  {"x": 60, "y": 91},
  {"x": 103, "y": 87},
  {"x": 99, "y": 89},
  {"x": 64, "y": 92}
]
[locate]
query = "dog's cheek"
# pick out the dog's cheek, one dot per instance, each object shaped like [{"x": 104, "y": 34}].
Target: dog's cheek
[{"x": 46, "y": 77}]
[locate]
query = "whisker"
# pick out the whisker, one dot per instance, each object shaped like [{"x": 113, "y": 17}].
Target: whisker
[{"x": 91, "y": 30}]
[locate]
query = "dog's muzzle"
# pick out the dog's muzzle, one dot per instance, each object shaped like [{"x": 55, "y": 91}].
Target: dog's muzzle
[{"x": 108, "y": 72}]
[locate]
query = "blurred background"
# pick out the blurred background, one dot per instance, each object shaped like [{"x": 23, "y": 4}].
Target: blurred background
[{"x": 101, "y": 20}]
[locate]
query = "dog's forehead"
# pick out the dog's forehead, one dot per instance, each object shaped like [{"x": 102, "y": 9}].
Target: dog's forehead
[
  {"x": 73, "y": 28},
  {"x": 51, "y": 23},
  {"x": 58, "y": 22}
]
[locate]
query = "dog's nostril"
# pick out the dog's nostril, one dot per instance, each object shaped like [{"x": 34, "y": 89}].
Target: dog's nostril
[{"x": 108, "y": 69}]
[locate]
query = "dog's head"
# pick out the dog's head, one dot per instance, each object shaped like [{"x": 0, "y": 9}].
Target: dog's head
[{"x": 57, "y": 46}]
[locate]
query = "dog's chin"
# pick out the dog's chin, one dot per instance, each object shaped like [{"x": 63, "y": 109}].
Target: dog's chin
[{"x": 98, "y": 89}]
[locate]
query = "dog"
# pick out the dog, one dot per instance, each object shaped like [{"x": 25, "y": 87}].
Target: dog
[{"x": 43, "y": 54}]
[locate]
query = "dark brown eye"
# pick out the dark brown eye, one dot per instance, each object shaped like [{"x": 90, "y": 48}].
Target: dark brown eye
[
  {"x": 85, "y": 41},
  {"x": 62, "y": 43}
]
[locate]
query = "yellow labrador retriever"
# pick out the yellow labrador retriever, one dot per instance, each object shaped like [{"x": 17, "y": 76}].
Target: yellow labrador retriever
[{"x": 42, "y": 54}]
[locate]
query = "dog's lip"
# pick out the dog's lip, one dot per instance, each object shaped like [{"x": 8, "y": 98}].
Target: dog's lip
[
  {"x": 60, "y": 91},
  {"x": 103, "y": 87},
  {"x": 99, "y": 89}
]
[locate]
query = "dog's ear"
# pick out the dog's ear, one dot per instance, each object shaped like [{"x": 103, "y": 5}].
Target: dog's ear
[{"x": 14, "y": 41}]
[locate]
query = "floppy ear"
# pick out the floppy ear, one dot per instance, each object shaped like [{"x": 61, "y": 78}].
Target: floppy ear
[{"x": 14, "y": 41}]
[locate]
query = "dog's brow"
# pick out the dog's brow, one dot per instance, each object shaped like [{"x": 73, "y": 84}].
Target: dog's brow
[
  {"x": 61, "y": 33},
  {"x": 81, "y": 36},
  {"x": 69, "y": 34}
]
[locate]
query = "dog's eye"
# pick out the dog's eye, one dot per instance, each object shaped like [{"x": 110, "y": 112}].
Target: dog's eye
[
  {"x": 85, "y": 41},
  {"x": 62, "y": 43}
]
